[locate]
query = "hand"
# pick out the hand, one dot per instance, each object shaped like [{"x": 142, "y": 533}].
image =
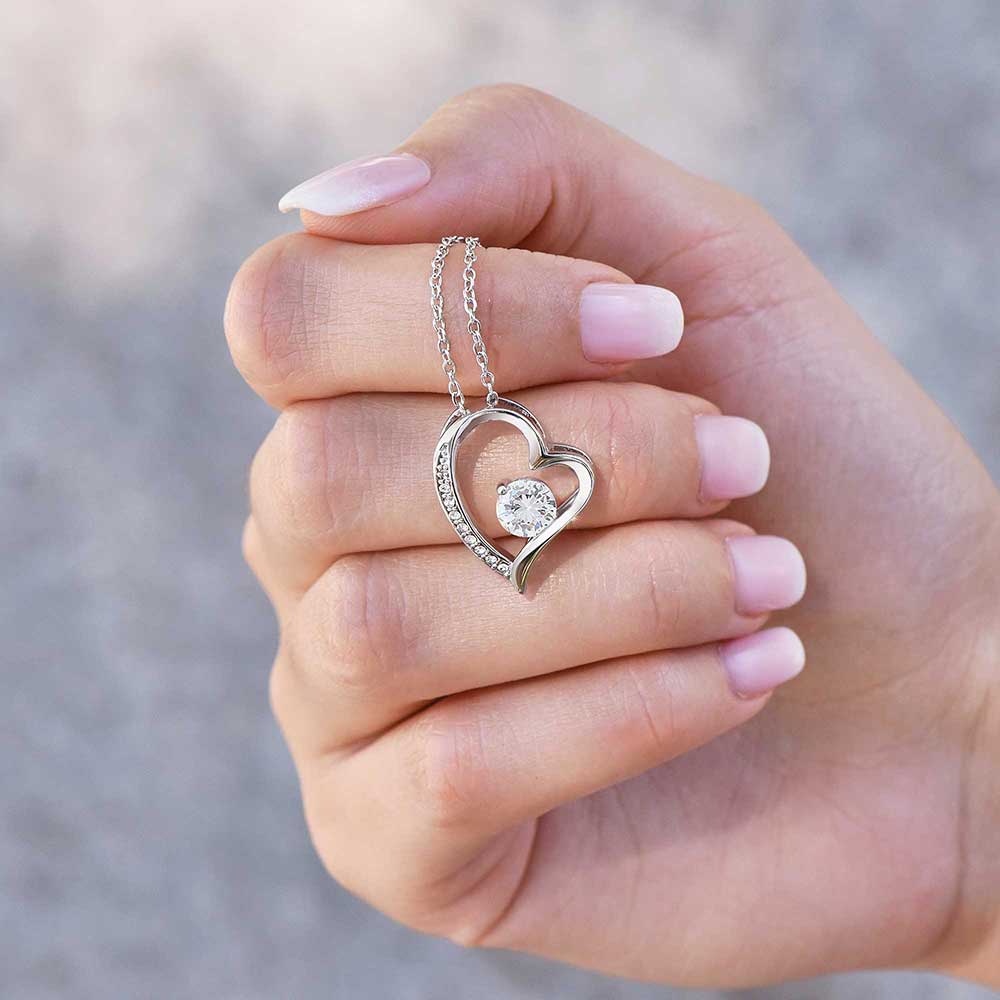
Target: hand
[{"x": 455, "y": 772}]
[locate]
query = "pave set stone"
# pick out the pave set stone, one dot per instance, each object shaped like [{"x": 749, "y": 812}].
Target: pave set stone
[{"x": 446, "y": 493}]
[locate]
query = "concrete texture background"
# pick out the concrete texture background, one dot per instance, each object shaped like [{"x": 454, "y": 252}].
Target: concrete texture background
[{"x": 151, "y": 843}]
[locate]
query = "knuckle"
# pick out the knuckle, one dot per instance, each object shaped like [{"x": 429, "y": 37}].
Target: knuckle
[
  {"x": 250, "y": 545},
  {"x": 286, "y": 474},
  {"x": 255, "y": 556},
  {"x": 307, "y": 476},
  {"x": 515, "y": 100},
  {"x": 447, "y": 766},
  {"x": 529, "y": 119},
  {"x": 271, "y": 315},
  {"x": 745, "y": 264},
  {"x": 357, "y": 637},
  {"x": 279, "y": 689}
]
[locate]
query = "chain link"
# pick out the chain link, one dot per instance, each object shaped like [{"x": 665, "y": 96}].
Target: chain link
[{"x": 474, "y": 327}]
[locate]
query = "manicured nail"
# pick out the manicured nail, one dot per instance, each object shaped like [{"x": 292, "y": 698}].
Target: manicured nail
[
  {"x": 735, "y": 458},
  {"x": 358, "y": 185},
  {"x": 769, "y": 573},
  {"x": 629, "y": 322},
  {"x": 758, "y": 663}
]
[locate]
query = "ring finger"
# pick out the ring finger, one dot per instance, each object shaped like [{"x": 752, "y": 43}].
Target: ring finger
[{"x": 382, "y": 633}]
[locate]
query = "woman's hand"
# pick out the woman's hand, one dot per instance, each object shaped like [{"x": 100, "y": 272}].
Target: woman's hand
[{"x": 506, "y": 771}]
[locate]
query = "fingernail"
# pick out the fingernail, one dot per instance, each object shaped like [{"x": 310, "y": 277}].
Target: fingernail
[
  {"x": 628, "y": 322},
  {"x": 735, "y": 458},
  {"x": 769, "y": 573},
  {"x": 358, "y": 185},
  {"x": 758, "y": 663}
]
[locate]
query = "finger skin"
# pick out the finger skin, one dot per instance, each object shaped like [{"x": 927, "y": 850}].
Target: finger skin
[
  {"x": 308, "y": 317},
  {"x": 380, "y": 634},
  {"x": 556, "y": 179},
  {"x": 519, "y": 167},
  {"x": 353, "y": 474},
  {"x": 255, "y": 555},
  {"x": 807, "y": 839},
  {"x": 478, "y": 764}
]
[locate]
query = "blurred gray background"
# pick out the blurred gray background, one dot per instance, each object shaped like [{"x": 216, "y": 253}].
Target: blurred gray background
[{"x": 151, "y": 842}]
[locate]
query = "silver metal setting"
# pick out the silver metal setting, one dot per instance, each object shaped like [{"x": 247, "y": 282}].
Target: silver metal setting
[
  {"x": 463, "y": 422},
  {"x": 541, "y": 455}
]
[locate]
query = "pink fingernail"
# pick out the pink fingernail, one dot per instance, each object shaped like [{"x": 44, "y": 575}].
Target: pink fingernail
[
  {"x": 358, "y": 185},
  {"x": 769, "y": 573},
  {"x": 758, "y": 663},
  {"x": 735, "y": 458},
  {"x": 629, "y": 322}
]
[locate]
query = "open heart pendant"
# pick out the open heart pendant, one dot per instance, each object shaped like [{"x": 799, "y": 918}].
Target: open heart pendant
[{"x": 525, "y": 507}]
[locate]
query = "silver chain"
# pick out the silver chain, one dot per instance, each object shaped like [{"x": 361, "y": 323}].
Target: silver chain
[{"x": 475, "y": 329}]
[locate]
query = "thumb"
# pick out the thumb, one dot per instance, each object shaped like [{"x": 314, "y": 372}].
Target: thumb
[{"x": 517, "y": 167}]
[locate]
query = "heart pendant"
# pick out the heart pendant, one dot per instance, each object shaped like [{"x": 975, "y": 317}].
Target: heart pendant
[{"x": 526, "y": 506}]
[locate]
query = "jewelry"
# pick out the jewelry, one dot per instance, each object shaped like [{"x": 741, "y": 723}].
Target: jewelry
[{"x": 525, "y": 507}]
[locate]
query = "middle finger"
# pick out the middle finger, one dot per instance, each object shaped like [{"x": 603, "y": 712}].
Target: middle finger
[{"x": 354, "y": 474}]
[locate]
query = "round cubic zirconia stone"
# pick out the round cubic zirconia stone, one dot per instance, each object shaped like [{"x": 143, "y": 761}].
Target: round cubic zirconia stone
[{"x": 525, "y": 507}]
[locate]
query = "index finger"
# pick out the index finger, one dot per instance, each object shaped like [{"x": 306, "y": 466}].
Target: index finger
[{"x": 310, "y": 318}]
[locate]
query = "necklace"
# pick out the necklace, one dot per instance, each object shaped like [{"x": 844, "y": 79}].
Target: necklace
[{"x": 526, "y": 507}]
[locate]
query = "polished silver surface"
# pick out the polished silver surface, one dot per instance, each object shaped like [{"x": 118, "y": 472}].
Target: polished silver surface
[
  {"x": 541, "y": 455},
  {"x": 462, "y": 422}
]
